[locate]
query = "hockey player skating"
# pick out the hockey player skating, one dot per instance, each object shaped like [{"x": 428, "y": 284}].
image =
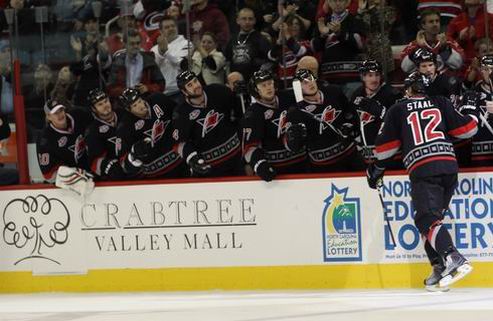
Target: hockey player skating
[
  {"x": 204, "y": 135},
  {"x": 144, "y": 136},
  {"x": 330, "y": 124},
  {"x": 264, "y": 127},
  {"x": 422, "y": 128},
  {"x": 371, "y": 101}
]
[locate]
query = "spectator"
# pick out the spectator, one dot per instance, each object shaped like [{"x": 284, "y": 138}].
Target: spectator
[
  {"x": 483, "y": 46},
  {"x": 207, "y": 62},
  {"x": 8, "y": 176},
  {"x": 295, "y": 47},
  {"x": 6, "y": 100},
  {"x": 469, "y": 26},
  {"x": 340, "y": 39},
  {"x": 207, "y": 17},
  {"x": 449, "y": 53},
  {"x": 247, "y": 50},
  {"x": 377, "y": 41},
  {"x": 449, "y": 9},
  {"x": 134, "y": 69},
  {"x": 170, "y": 50},
  {"x": 303, "y": 10},
  {"x": 62, "y": 139}
]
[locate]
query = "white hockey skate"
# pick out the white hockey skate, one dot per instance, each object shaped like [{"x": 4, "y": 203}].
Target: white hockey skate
[
  {"x": 432, "y": 281},
  {"x": 456, "y": 267}
]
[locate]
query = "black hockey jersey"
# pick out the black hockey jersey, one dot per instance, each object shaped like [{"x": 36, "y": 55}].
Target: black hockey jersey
[
  {"x": 446, "y": 86},
  {"x": 371, "y": 114},
  {"x": 57, "y": 147},
  {"x": 328, "y": 148},
  {"x": 423, "y": 128},
  {"x": 482, "y": 142},
  {"x": 209, "y": 131},
  {"x": 264, "y": 128},
  {"x": 162, "y": 161},
  {"x": 103, "y": 144}
]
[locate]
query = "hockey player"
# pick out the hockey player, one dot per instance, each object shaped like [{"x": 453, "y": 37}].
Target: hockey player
[
  {"x": 62, "y": 140},
  {"x": 422, "y": 127},
  {"x": 264, "y": 127},
  {"x": 101, "y": 140},
  {"x": 371, "y": 101},
  {"x": 331, "y": 125},
  {"x": 144, "y": 135},
  {"x": 439, "y": 84},
  {"x": 482, "y": 142},
  {"x": 204, "y": 135}
]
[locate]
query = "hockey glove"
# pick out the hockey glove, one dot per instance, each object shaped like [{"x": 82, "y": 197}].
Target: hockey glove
[
  {"x": 264, "y": 170},
  {"x": 296, "y": 136},
  {"x": 111, "y": 169},
  {"x": 470, "y": 103},
  {"x": 374, "y": 175},
  {"x": 349, "y": 131},
  {"x": 370, "y": 106},
  {"x": 141, "y": 149},
  {"x": 198, "y": 165}
]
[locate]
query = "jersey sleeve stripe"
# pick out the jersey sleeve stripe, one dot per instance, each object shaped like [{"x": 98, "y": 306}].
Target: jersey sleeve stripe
[
  {"x": 466, "y": 131},
  {"x": 387, "y": 150}
]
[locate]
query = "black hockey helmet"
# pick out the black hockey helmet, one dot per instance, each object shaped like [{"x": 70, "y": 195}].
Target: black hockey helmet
[
  {"x": 302, "y": 74},
  {"x": 370, "y": 66},
  {"x": 417, "y": 81},
  {"x": 487, "y": 61},
  {"x": 258, "y": 77},
  {"x": 96, "y": 95},
  {"x": 184, "y": 77},
  {"x": 128, "y": 97},
  {"x": 423, "y": 55}
]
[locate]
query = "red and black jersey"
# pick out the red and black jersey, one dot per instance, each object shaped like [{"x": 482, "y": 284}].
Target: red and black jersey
[
  {"x": 446, "y": 86},
  {"x": 423, "y": 128},
  {"x": 482, "y": 142},
  {"x": 209, "y": 131},
  {"x": 162, "y": 161},
  {"x": 370, "y": 119},
  {"x": 324, "y": 120},
  {"x": 102, "y": 142},
  {"x": 66, "y": 147},
  {"x": 264, "y": 127}
]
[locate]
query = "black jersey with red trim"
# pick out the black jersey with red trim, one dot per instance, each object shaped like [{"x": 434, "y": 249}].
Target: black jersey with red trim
[
  {"x": 482, "y": 142},
  {"x": 102, "y": 141},
  {"x": 370, "y": 119},
  {"x": 67, "y": 147},
  {"x": 162, "y": 161},
  {"x": 423, "y": 128},
  {"x": 324, "y": 120},
  {"x": 446, "y": 86},
  {"x": 264, "y": 127},
  {"x": 209, "y": 130}
]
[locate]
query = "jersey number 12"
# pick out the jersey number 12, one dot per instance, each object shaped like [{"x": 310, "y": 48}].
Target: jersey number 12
[{"x": 432, "y": 118}]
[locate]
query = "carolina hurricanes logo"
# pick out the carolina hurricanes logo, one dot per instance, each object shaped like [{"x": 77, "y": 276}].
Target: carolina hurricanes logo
[
  {"x": 210, "y": 121},
  {"x": 151, "y": 21},
  {"x": 327, "y": 117},
  {"x": 365, "y": 118},
  {"x": 79, "y": 147},
  {"x": 281, "y": 123},
  {"x": 157, "y": 130}
]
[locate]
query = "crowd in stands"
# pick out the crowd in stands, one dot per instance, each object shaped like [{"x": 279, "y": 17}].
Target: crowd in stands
[{"x": 148, "y": 88}]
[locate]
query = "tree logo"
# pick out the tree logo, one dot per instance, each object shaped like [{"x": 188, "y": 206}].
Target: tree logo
[
  {"x": 35, "y": 223},
  {"x": 341, "y": 226}
]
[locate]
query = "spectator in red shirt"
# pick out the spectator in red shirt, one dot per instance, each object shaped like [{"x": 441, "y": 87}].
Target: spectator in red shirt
[{"x": 207, "y": 17}]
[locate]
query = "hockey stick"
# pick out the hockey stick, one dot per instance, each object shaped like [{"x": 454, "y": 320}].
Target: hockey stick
[
  {"x": 298, "y": 95},
  {"x": 386, "y": 217}
]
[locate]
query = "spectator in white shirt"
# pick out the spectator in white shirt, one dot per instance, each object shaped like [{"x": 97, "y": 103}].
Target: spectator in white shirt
[
  {"x": 208, "y": 62},
  {"x": 169, "y": 51}
]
